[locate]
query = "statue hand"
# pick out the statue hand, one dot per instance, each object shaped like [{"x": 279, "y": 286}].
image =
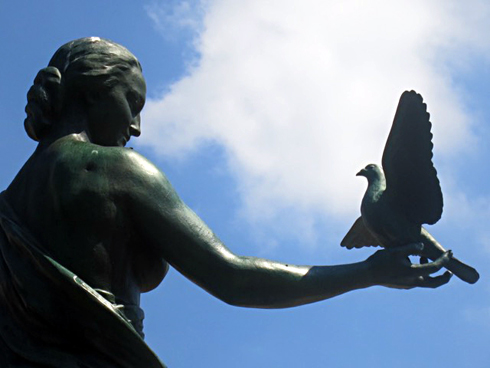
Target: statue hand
[{"x": 392, "y": 268}]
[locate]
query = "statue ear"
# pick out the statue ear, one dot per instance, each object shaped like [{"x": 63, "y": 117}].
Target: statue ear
[{"x": 90, "y": 96}]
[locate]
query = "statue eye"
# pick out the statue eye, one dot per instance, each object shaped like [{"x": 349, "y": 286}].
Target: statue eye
[{"x": 136, "y": 102}]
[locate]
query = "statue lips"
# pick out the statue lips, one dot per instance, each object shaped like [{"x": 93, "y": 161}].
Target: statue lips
[
  {"x": 407, "y": 194},
  {"x": 126, "y": 136}
]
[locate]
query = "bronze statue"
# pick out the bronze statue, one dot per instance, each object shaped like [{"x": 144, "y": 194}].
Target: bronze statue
[
  {"x": 88, "y": 225},
  {"x": 408, "y": 193}
]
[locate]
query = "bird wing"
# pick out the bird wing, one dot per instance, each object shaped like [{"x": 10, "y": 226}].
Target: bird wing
[
  {"x": 412, "y": 186},
  {"x": 359, "y": 236}
]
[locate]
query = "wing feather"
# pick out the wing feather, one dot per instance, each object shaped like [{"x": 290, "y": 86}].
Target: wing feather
[
  {"x": 359, "y": 236},
  {"x": 412, "y": 185}
]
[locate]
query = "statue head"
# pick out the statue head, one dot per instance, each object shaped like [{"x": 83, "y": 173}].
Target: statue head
[
  {"x": 79, "y": 71},
  {"x": 372, "y": 172}
]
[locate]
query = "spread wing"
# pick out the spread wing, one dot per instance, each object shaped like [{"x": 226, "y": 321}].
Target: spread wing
[
  {"x": 359, "y": 236},
  {"x": 412, "y": 186}
]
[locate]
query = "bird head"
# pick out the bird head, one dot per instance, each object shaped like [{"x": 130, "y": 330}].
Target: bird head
[{"x": 372, "y": 172}]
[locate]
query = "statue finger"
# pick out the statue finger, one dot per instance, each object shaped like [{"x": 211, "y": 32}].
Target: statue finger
[{"x": 434, "y": 282}]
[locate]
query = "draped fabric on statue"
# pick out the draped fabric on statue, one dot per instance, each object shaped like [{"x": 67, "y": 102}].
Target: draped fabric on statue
[{"x": 49, "y": 317}]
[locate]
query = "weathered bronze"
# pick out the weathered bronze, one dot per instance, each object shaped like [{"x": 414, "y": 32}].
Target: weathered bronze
[
  {"x": 407, "y": 194},
  {"x": 88, "y": 225}
]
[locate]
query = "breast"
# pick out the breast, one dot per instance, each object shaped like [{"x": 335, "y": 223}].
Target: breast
[{"x": 148, "y": 269}]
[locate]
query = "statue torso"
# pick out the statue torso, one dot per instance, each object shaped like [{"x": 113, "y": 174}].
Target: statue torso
[{"x": 69, "y": 196}]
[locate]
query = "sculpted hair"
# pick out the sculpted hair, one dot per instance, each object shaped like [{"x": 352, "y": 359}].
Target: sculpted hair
[{"x": 89, "y": 64}]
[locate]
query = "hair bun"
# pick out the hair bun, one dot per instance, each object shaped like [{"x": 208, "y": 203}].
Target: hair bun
[{"x": 43, "y": 102}]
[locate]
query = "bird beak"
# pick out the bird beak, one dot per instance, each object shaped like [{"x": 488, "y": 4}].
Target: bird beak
[{"x": 361, "y": 173}]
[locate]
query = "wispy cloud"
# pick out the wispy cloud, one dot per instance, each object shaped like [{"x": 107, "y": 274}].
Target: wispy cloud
[
  {"x": 302, "y": 94},
  {"x": 172, "y": 17},
  {"x": 472, "y": 215}
]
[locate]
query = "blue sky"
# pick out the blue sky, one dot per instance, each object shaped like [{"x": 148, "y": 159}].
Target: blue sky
[{"x": 260, "y": 113}]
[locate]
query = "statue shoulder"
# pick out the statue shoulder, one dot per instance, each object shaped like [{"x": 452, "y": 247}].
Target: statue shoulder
[
  {"x": 118, "y": 172},
  {"x": 117, "y": 162},
  {"x": 135, "y": 162},
  {"x": 139, "y": 177},
  {"x": 138, "y": 167}
]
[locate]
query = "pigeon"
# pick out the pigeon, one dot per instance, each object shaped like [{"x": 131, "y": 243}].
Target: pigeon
[{"x": 406, "y": 192}]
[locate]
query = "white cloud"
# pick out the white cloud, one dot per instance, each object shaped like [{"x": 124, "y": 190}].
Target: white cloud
[
  {"x": 171, "y": 17},
  {"x": 470, "y": 214},
  {"x": 302, "y": 94}
]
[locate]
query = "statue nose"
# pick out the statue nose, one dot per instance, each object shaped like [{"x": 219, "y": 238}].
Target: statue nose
[{"x": 135, "y": 127}]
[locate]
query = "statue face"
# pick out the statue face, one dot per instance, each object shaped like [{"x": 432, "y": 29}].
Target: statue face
[{"x": 114, "y": 115}]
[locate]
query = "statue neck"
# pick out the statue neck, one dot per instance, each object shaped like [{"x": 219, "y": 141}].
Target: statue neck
[
  {"x": 71, "y": 122},
  {"x": 376, "y": 186}
]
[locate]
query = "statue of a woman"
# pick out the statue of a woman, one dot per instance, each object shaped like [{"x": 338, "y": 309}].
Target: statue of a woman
[{"x": 87, "y": 225}]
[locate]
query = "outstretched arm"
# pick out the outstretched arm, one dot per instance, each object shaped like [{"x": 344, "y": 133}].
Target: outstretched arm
[{"x": 177, "y": 234}]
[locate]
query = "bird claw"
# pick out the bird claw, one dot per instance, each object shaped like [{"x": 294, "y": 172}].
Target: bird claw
[
  {"x": 425, "y": 268},
  {"x": 401, "y": 273}
]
